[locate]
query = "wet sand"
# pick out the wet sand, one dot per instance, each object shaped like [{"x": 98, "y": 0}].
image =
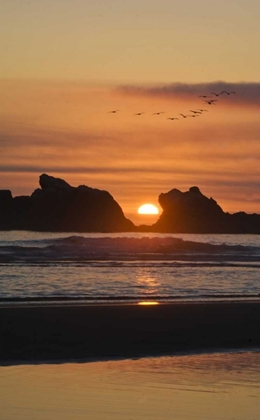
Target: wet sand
[
  {"x": 195, "y": 387},
  {"x": 97, "y": 332}
]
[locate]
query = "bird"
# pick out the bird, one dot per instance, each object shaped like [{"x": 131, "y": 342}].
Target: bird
[
  {"x": 158, "y": 113},
  {"x": 203, "y": 110},
  {"x": 203, "y": 96},
  {"x": 228, "y": 93},
  {"x": 196, "y": 112},
  {"x": 139, "y": 113},
  {"x": 211, "y": 101},
  {"x": 172, "y": 118},
  {"x": 185, "y": 116},
  {"x": 216, "y": 94},
  {"x": 114, "y": 111}
]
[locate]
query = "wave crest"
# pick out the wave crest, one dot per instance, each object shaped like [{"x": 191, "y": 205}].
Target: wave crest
[{"x": 80, "y": 248}]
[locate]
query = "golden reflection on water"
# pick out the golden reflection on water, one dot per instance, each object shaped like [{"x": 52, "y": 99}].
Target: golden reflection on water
[
  {"x": 147, "y": 281},
  {"x": 148, "y": 303},
  {"x": 215, "y": 386}
]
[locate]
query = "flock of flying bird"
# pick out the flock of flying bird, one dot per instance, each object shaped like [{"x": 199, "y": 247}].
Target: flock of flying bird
[{"x": 208, "y": 99}]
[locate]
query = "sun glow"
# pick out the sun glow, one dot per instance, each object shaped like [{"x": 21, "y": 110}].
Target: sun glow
[{"x": 148, "y": 209}]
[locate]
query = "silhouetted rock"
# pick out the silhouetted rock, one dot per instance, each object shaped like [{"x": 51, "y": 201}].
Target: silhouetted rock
[
  {"x": 5, "y": 196},
  {"x": 6, "y": 201},
  {"x": 192, "y": 212},
  {"x": 57, "y": 206},
  {"x": 48, "y": 182}
]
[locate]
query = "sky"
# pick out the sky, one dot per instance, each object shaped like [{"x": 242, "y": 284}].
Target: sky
[{"x": 65, "y": 65}]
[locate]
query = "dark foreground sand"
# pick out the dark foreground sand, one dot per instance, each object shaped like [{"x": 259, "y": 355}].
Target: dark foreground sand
[{"x": 60, "y": 333}]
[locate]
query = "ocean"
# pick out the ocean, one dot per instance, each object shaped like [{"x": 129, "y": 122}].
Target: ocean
[
  {"x": 39, "y": 267},
  {"x": 71, "y": 268}
]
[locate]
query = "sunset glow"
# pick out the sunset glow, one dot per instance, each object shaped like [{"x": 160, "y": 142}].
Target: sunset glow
[{"x": 67, "y": 67}]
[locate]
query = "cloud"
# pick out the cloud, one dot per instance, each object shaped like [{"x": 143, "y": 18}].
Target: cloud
[{"x": 246, "y": 92}]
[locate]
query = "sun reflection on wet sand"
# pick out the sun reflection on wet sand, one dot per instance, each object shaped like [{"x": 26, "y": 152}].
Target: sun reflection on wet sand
[{"x": 148, "y": 302}]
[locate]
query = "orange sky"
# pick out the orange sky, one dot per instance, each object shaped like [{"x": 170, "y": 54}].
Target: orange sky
[
  {"x": 66, "y": 130},
  {"x": 64, "y": 67}
]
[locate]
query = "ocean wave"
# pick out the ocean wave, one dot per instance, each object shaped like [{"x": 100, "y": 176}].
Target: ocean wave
[
  {"x": 84, "y": 249},
  {"x": 129, "y": 298}
]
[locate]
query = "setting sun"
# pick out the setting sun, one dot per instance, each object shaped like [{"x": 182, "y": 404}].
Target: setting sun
[{"x": 148, "y": 209}]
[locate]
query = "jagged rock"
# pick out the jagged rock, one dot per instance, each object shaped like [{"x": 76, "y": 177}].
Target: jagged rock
[
  {"x": 5, "y": 195},
  {"x": 192, "y": 212},
  {"x": 6, "y": 201},
  {"x": 57, "y": 206},
  {"x": 52, "y": 183}
]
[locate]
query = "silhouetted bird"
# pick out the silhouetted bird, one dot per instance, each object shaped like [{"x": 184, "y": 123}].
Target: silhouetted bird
[
  {"x": 228, "y": 93},
  {"x": 185, "y": 116},
  {"x": 203, "y": 110},
  {"x": 172, "y": 118},
  {"x": 139, "y": 113},
  {"x": 203, "y": 96},
  {"x": 158, "y": 113},
  {"x": 196, "y": 112},
  {"x": 211, "y": 101},
  {"x": 216, "y": 94},
  {"x": 113, "y": 112}
]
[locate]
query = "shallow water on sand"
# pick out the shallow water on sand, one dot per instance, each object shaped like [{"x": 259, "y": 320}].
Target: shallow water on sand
[{"x": 216, "y": 386}]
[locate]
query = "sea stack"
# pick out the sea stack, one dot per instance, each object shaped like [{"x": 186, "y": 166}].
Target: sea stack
[
  {"x": 193, "y": 212},
  {"x": 57, "y": 206}
]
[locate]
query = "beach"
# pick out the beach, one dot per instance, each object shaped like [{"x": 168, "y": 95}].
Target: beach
[
  {"x": 60, "y": 333},
  {"x": 195, "y": 387}
]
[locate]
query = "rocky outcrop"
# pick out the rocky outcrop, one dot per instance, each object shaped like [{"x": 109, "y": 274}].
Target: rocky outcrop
[
  {"x": 48, "y": 182},
  {"x": 57, "y": 206},
  {"x": 193, "y": 212}
]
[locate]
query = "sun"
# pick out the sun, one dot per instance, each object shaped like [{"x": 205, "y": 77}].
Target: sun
[{"x": 148, "y": 209}]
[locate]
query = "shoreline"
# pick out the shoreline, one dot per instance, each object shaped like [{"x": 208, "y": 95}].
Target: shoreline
[
  {"x": 65, "y": 301},
  {"x": 82, "y": 332}
]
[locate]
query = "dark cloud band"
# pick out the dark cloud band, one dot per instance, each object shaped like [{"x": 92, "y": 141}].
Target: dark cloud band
[{"x": 246, "y": 92}]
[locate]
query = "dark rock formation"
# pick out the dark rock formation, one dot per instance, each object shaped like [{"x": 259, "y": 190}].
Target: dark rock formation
[
  {"x": 48, "y": 182},
  {"x": 59, "y": 207},
  {"x": 193, "y": 212}
]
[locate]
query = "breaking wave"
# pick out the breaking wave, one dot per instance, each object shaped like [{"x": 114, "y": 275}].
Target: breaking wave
[
  {"x": 60, "y": 267},
  {"x": 81, "y": 249}
]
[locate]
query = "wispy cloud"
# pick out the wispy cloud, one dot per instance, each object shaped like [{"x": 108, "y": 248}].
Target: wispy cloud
[
  {"x": 245, "y": 92},
  {"x": 37, "y": 136}
]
